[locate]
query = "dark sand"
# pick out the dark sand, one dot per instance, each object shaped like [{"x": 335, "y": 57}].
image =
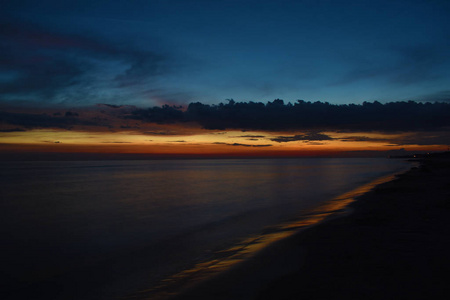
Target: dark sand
[{"x": 395, "y": 245}]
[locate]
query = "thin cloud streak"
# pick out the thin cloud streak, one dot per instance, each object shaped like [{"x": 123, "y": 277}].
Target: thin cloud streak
[
  {"x": 243, "y": 145},
  {"x": 303, "y": 137}
]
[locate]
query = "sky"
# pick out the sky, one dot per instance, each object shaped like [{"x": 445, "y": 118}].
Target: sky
[
  {"x": 76, "y": 56},
  {"x": 166, "y": 51}
]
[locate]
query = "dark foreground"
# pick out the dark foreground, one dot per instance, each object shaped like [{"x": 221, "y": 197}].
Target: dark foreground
[{"x": 395, "y": 245}]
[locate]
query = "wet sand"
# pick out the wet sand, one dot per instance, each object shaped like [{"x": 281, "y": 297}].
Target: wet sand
[{"x": 394, "y": 245}]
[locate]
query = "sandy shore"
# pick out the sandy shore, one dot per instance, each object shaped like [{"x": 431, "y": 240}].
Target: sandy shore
[{"x": 395, "y": 245}]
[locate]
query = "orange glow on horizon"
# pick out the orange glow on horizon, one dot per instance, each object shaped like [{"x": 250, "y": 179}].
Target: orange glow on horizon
[{"x": 199, "y": 142}]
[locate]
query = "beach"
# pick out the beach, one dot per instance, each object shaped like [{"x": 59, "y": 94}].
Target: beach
[
  {"x": 119, "y": 229},
  {"x": 393, "y": 244}
]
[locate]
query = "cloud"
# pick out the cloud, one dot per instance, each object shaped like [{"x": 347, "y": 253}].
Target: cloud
[
  {"x": 49, "y": 65},
  {"x": 162, "y": 96},
  {"x": 320, "y": 116},
  {"x": 361, "y": 139},
  {"x": 42, "y": 63},
  {"x": 110, "y": 105},
  {"x": 440, "y": 96},
  {"x": 302, "y": 137},
  {"x": 71, "y": 114},
  {"x": 13, "y": 130},
  {"x": 162, "y": 115},
  {"x": 420, "y": 63},
  {"x": 96, "y": 118},
  {"x": 242, "y": 145},
  {"x": 252, "y": 136},
  {"x": 29, "y": 120},
  {"x": 159, "y": 133},
  {"x": 425, "y": 138},
  {"x": 313, "y": 118},
  {"x": 142, "y": 68},
  {"x": 400, "y": 65}
]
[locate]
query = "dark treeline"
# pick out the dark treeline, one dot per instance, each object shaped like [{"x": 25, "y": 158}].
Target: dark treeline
[{"x": 276, "y": 115}]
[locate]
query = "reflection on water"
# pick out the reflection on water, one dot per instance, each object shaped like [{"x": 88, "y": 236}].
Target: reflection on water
[
  {"x": 129, "y": 219},
  {"x": 227, "y": 258}
]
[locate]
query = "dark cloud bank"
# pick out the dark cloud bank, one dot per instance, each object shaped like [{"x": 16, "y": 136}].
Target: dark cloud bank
[
  {"x": 313, "y": 117},
  {"x": 30, "y": 121},
  {"x": 276, "y": 115}
]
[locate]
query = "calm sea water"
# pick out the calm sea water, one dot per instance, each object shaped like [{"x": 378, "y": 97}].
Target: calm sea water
[{"x": 102, "y": 229}]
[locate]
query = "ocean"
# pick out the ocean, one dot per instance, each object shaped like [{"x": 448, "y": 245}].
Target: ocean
[{"x": 133, "y": 229}]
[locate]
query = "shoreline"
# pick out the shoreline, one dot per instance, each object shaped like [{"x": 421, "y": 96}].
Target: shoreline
[
  {"x": 128, "y": 276},
  {"x": 226, "y": 260},
  {"x": 392, "y": 244}
]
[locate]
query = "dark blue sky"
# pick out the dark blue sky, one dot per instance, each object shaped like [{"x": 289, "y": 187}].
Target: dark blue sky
[{"x": 166, "y": 51}]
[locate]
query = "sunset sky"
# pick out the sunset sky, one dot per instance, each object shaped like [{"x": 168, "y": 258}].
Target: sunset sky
[{"x": 79, "y": 76}]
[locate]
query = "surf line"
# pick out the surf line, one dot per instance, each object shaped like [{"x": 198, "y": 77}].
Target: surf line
[{"x": 225, "y": 259}]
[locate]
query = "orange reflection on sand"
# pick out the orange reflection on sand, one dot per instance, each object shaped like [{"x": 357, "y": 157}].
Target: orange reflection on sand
[{"x": 225, "y": 259}]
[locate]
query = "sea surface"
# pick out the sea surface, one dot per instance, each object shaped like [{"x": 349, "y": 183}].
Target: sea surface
[{"x": 111, "y": 229}]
